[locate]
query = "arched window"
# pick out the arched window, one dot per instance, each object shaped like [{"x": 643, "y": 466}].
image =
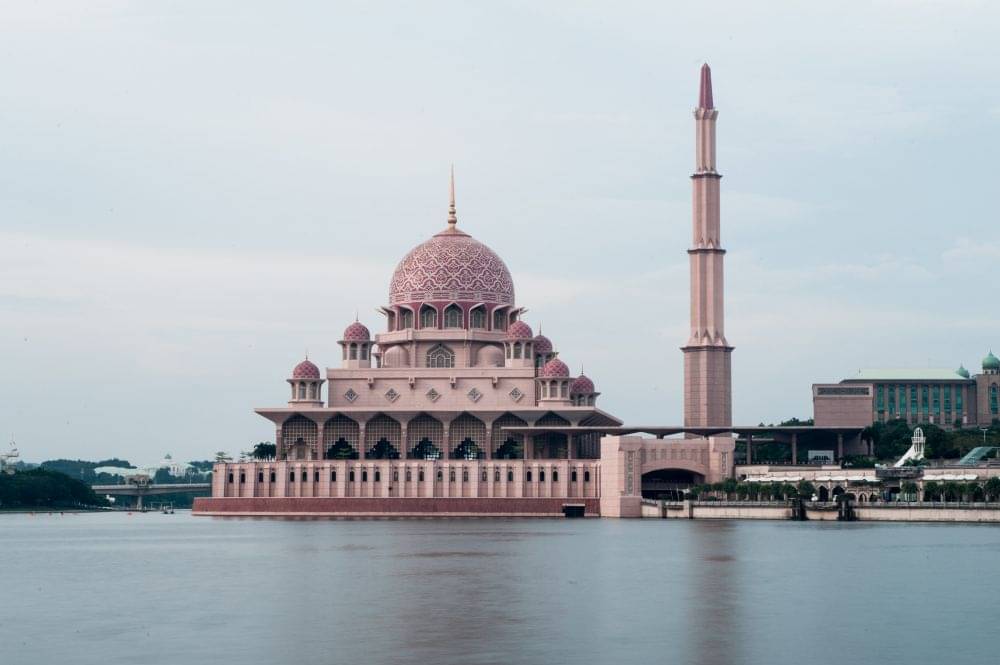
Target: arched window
[
  {"x": 517, "y": 350},
  {"x": 364, "y": 352},
  {"x": 994, "y": 400},
  {"x": 440, "y": 356},
  {"x": 453, "y": 316},
  {"x": 428, "y": 317},
  {"x": 499, "y": 320},
  {"x": 477, "y": 318},
  {"x": 354, "y": 352},
  {"x": 406, "y": 319},
  {"x": 302, "y": 391}
]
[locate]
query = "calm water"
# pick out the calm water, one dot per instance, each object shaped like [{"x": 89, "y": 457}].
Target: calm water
[{"x": 112, "y": 588}]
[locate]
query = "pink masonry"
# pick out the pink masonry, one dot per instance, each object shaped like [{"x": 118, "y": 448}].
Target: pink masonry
[{"x": 457, "y": 401}]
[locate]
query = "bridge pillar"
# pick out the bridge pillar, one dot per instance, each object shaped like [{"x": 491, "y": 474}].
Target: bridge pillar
[
  {"x": 795, "y": 448},
  {"x": 138, "y": 500}
]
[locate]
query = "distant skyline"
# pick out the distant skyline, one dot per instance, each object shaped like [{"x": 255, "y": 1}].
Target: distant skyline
[{"x": 192, "y": 196}]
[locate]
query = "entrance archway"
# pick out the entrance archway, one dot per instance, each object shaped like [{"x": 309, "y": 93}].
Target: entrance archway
[
  {"x": 669, "y": 484},
  {"x": 824, "y": 493}
]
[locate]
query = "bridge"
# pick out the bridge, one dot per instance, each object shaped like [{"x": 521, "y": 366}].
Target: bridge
[{"x": 140, "y": 490}]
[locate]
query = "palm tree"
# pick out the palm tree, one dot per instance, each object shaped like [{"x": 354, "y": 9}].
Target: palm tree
[
  {"x": 908, "y": 489},
  {"x": 806, "y": 489},
  {"x": 931, "y": 490},
  {"x": 951, "y": 490}
]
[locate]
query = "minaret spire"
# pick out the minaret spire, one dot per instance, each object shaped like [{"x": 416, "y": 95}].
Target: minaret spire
[
  {"x": 707, "y": 364},
  {"x": 705, "y": 91},
  {"x": 452, "y": 213}
]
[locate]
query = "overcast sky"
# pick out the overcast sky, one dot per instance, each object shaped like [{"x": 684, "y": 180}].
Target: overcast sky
[{"x": 192, "y": 194}]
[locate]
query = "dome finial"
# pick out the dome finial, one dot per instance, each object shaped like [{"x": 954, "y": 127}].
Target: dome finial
[{"x": 452, "y": 213}]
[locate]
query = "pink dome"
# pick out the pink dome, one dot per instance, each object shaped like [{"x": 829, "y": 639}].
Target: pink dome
[
  {"x": 305, "y": 370},
  {"x": 582, "y": 385},
  {"x": 451, "y": 266},
  {"x": 357, "y": 332},
  {"x": 555, "y": 369},
  {"x": 519, "y": 330},
  {"x": 542, "y": 344}
]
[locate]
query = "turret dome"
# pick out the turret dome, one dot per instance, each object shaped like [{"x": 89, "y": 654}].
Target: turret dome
[
  {"x": 357, "y": 332},
  {"x": 542, "y": 344},
  {"x": 555, "y": 369},
  {"x": 305, "y": 370},
  {"x": 519, "y": 330},
  {"x": 961, "y": 371},
  {"x": 991, "y": 362},
  {"x": 582, "y": 385}
]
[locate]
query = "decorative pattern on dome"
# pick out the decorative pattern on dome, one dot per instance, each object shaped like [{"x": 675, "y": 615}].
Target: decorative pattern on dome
[
  {"x": 357, "y": 332},
  {"x": 305, "y": 370},
  {"x": 519, "y": 330},
  {"x": 555, "y": 369},
  {"x": 542, "y": 344},
  {"x": 452, "y": 266},
  {"x": 582, "y": 385}
]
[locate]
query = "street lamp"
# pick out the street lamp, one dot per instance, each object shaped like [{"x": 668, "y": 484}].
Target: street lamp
[{"x": 984, "y": 430}]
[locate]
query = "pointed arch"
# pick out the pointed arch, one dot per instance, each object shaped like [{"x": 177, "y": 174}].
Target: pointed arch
[
  {"x": 428, "y": 316},
  {"x": 467, "y": 438},
  {"x": 382, "y": 432},
  {"x": 341, "y": 438},
  {"x": 477, "y": 317},
  {"x": 424, "y": 437},
  {"x": 440, "y": 355},
  {"x": 506, "y": 445},
  {"x": 453, "y": 316},
  {"x": 298, "y": 437}
]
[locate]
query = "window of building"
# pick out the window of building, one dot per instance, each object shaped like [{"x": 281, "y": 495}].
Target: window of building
[
  {"x": 880, "y": 398},
  {"x": 555, "y": 475},
  {"x": 586, "y": 476},
  {"x": 484, "y": 475},
  {"x": 420, "y": 475},
  {"x": 378, "y": 476},
  {"x": 428, "y": 317},
  {"x": 409, "y": 476},
  {"x": 316, "y": 476},
  {"x": 406, "y": 319},
  {"x": 913, "y": 400},
  {"x": 527, "y": 475},
  {"x": 291, "y": 476},
  {"x": 451, "y": 475},
  {"x": 364, "y": 352},
  {"x": 453, "y": 316},
  {"x": 465, "y": 475},
  {"x": 541, "y": 476},
  {"x": 395, "y": 476},
  {"x": 947, "y": 399},
  {"x": 260, "y": 477},
  {"x": 936, "y": 399},
  {"x": 517, "y": 350},
  {"x": 440, "y": 475},
  {"x": 892, "y": 400},
  {"x": 333, "y": 476},
  {"x": 302, "y": 391},
  {"x": 496, "y": 475},
  {"x": 477, "y": 318},
  {"x": 901, "y": 393},
  {"x": 510, "y": 475},
  {"x": 364, "y": 475},
  {"x": 958, "y": 399},
  {"x": 272, "y": 476},
  {"x": 354, "y": 352},
  {"x": 230, "y": 477},
  {"x": 440, "y": 356},
  {"x": 924, "y": 399},
  {"x": 994, "y": 400},
  {"x": 499, "y": 320},
  {"x": 350, "y": 476},
  {"x": 572, "y": 475}
]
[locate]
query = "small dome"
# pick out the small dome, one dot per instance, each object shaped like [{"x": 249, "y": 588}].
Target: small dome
[
  {"x": 396, "y": 356},
  {"x": 961, "y": 371},
  {"x": 991, "y": 361},
  {"x": 489, "y": 356},
  {"x": 555, "y": 369},
  {"x": 305, "y": 370},
  {"x": 519, "y": 330},
  {"x": 582, "y": 385},
  {"x": 357, "y": 332},
  {"x": 542, "y": 344}
]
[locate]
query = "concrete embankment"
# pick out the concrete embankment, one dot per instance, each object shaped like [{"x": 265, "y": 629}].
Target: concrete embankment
[{"x": 814, "y": 511}]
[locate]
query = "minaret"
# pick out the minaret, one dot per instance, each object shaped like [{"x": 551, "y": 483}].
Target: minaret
[{"x": 707, "y": 366}]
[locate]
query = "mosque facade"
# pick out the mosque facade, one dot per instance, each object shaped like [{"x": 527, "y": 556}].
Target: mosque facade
[{"x": 459, "y": 407}]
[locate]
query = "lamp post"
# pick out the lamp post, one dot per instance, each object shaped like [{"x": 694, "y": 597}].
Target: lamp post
[{"x": 984, "y": 430}]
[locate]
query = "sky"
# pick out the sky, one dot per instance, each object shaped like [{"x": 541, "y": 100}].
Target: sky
[{"x": 195, "y": 194}]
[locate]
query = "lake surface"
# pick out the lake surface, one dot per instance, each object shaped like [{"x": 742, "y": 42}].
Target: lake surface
[{"x": 153, "y": 588}]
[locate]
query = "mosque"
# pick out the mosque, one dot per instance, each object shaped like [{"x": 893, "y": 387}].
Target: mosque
[{"x": 460, "y": 408}]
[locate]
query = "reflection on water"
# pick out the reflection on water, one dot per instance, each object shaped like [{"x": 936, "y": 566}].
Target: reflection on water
[{"x": 153, "y": 588}]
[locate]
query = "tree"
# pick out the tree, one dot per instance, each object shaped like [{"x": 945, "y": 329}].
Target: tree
[
  {"x": 729, "y": 486},
  {"x": 806, "y": 489},
  {"x": 908, "y": 488},
  {"x": 932, "y": 490},
  {"x": 972, "y": 491},
  {"x": 264, "y": 450},
  {"x": 952, "y": 491},
  {"x": 992, "y": 488},
  {"x": 223, "y": 456}
]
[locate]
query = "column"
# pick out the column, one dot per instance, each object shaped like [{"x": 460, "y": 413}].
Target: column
[
  {"x": 840, "y": 446},
  {"x": 795, "y": 448},
  {"x": 319, "y": 441},
  {"x": 749, "y": 449}
]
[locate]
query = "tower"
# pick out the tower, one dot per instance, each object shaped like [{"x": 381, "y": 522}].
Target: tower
[{"x": 707, "y": 354}]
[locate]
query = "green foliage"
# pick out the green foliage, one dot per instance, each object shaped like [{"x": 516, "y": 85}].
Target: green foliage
[
  {"x": 264, "y": 450},
  {"x": 46, "y": 488},
  {"x": 805, "y": 489},
  {"x": 992, "y": 488},
  {"x": 932, "y": 490},
  {"x": 859, "y": 461}
]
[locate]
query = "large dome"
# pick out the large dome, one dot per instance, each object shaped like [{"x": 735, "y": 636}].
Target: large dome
[{"x": 452, "y": 265}]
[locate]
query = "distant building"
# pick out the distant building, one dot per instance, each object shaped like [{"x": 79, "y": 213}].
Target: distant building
[{"x": 942, "y": 397}]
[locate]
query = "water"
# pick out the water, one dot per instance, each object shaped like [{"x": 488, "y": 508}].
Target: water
[{"x": 113, "y": 588}]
